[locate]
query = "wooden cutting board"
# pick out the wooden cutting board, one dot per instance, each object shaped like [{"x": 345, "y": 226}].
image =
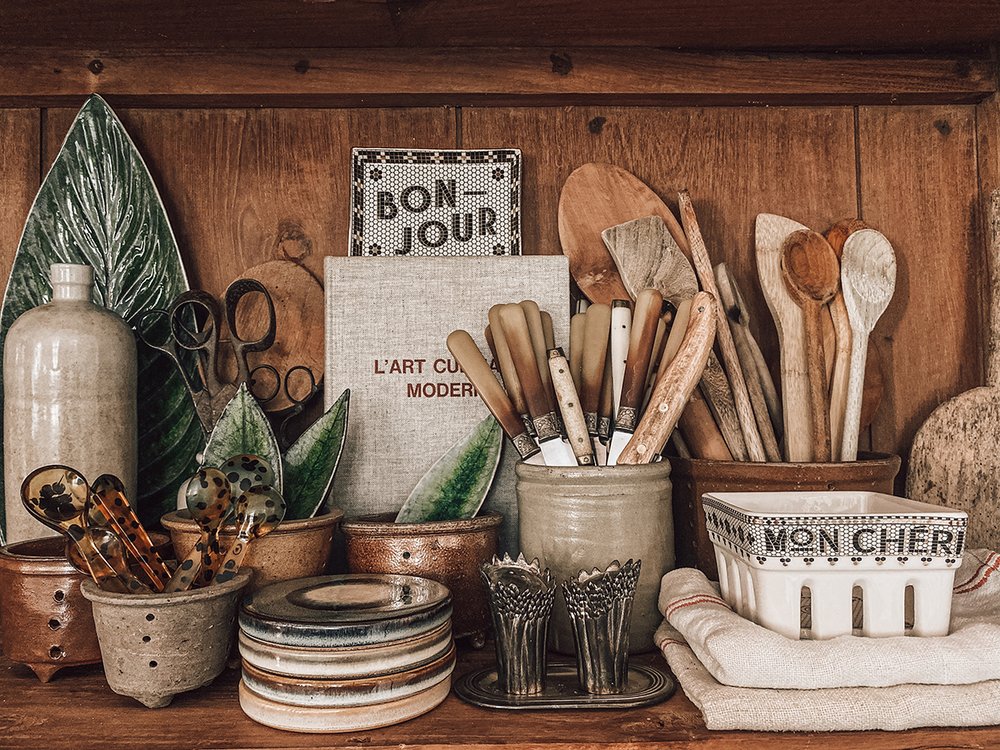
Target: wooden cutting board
[
  {"x": 955, "y": 459},
  {"x": 299, "y": 323},
  {"x": 594, "y": 197}
]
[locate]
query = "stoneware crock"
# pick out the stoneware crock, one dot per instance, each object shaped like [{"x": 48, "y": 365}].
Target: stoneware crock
[
  {"x": 575, "y": 518},
  {"x": 47, "y": 624},
  {"x": 295, "y": 549},
  {"x": 155, "y": 646},
  {"x": 450, "y": 552}
]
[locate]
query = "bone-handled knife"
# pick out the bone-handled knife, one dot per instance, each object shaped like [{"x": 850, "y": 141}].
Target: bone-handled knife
[
  {"x": 577, "y": 346},
  {"x": 555, "y": 451},
  {"x": 476, "y": 369},
  {"x": 595, "y": 353},
  {"x": 605, "y": 422},
  {"x": 640, "y": 350},
  {"x": 569, "y": 405},
  {"x": 621, "y": 328},
  {"x": 507, "y": 371}
]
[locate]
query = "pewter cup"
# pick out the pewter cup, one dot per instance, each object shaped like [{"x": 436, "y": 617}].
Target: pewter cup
[
  {"x": 521, "y": 597},
  {"x": 600, "y": 609}
]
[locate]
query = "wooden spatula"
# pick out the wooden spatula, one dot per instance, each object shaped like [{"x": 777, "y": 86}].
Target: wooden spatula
[
  {"x": 812, "y": 273},
  {"x": 868, "y": 275},
  {"x": 771, "y": 232},
  {"x": 648, "y": 257},
  {"x": 594, "y": 197},
  {"x": 955, "y": 459}
]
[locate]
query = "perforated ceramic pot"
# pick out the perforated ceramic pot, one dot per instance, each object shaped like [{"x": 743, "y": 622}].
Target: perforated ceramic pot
[
  {"x": 46, "y": 623},
  {"x": 155, "y": 646},
  {"x": 584, "y": 517}
]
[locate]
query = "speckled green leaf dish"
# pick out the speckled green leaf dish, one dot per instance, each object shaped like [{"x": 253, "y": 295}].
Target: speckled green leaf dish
[
  {"x": 243, "y": 428},
  {"x": 456, "y": 485},
  {"x": 98, "y": 206},
  {"x": 311, "y": 463}
]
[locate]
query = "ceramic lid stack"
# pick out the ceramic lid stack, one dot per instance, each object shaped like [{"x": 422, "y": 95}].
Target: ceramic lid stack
[{"x": 345, "y": 653}]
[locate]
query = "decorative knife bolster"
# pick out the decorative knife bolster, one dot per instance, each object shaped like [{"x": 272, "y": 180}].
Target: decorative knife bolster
[
  {"x": 590, "y": 418},
  {"x": 627, "y": 419},
  {"x": 528, "y": 424},
  {"x": 604, "y": 429},
  {"x": 546, "y": 427},
  {"x": 525, "y": 446}
]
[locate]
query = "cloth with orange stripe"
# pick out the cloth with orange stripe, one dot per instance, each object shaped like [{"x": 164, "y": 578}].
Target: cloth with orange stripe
[{"x": 743, "y": 676}]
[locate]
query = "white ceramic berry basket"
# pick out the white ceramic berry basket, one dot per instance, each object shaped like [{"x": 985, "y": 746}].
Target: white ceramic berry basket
[{"x": 769, "y": 546}]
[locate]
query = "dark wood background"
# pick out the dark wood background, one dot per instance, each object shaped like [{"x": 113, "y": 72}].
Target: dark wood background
[{"x": 246, "y": 113}]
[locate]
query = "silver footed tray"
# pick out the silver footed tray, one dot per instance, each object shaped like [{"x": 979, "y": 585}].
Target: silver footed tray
[{"x": 647, "y": 686}]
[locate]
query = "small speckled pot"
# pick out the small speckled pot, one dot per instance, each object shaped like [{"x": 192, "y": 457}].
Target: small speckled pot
[
  {"x": 450, "y": 552},
  {"x": 47, "y": 624},
  {"x": 155, "y": 646},
  {"x": 295, "y": 549}
]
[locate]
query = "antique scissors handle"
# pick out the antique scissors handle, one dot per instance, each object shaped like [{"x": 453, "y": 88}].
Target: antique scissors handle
[
  {"x": 203, "y": 338},
  {"x": 241, "y": 347},
  {"x": 145, "y": 327}
]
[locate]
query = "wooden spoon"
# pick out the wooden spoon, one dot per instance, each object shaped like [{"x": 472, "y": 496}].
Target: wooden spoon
[
  {"x": 868, "y": 275},
  {"x": 259, "y": 510},
  {"x": 812, "y": 272},
  {"x": 209, "y": 500},
  {"x": 594, "y": 197}
]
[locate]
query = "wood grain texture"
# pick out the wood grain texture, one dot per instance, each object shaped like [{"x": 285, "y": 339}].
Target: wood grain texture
[
  {"x": 930, "y": 338},
  {"x": 211, "y": 718},
  {"x": 243, "y": 186},
  {"x": 19, "y": 178},
  {"x": 733, "y": 24},
  {"x": 738, "y": 162}
]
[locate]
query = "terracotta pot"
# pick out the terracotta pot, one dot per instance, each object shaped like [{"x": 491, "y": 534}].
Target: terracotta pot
[
  {"x": 694, "y": 477},
  {"x": 446, "y": 551},
  {"x": 296, "y": 549},
  {"x": 584, "y": 517},
  {"x": 47, "y": 624},
  {"x": 155, "y": 646}
]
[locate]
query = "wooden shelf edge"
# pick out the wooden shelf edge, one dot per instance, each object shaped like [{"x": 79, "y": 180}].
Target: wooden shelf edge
[{"x": 380, "y": 77}]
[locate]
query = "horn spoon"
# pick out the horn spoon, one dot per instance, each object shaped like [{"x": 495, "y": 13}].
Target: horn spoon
[
  {"x": 258, "y": 511},
  {"x": 209, "y": 500}
]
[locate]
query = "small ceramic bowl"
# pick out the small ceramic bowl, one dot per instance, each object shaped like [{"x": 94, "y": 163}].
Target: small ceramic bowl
[
  {"x": 295, "y": 549},
  {"x": 360, "y": 691},
  {"x": 450, "y": 552},
  {"x": 47, "y": 623},
  {"x": 157, "y": 645},
  {"x": 345, "y": 663}
]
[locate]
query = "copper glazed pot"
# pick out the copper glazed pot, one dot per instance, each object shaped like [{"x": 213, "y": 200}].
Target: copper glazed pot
[
  {"x": 46, "y": 624},
  {"x": 450, "y": 552}
]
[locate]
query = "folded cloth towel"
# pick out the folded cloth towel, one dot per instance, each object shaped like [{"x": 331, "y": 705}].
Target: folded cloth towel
[
  {"x": 736, "y": 652},
  {"x": 829, "y": 709}
]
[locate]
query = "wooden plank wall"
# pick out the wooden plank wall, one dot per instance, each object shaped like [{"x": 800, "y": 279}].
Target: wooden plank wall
[{"x": 243, "y": 185}]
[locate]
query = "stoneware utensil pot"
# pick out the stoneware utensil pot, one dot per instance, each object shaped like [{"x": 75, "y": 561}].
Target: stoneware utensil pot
[
  {"x": 47, "y": 624},
  {"x": 450, "y": 552},
  {"x": 69, "y": 385},
  {"x": 155, "y": 646},
  {"x": 575, "y": 518},
  {"x": 693, "y": 478},
  {"x": 295, "y": 549}
]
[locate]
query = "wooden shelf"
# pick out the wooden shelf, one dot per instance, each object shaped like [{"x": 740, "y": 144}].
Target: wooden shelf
[{"x": 33, "y": 715}]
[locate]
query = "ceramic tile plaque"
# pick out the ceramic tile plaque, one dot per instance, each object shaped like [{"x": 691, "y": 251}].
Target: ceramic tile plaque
[
  {"x": 387, "y": 320},
  {"x": 436, "y": 203}
]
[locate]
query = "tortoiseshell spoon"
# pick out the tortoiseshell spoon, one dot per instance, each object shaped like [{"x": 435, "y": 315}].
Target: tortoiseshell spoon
[
  {"x": 258, "y": 511},
  {"x": 209, "y": 501},
  {"x": 57, "y": 496},
  {"x": 109, "y": 495},
  {"x": 111, "y": 550},
  {"x": 245, "y": 471}
]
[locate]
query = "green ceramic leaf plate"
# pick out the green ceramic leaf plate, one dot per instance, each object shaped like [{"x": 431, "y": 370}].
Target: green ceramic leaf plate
[
  {"x": 243, "y": 428},
  {"x": 98, "y": 205},
  {"x": 311, "y": 463},
  {"x": 457, "y": 484}
]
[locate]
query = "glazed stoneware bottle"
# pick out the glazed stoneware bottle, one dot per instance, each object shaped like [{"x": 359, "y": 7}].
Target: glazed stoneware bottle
[{"x": 69, "y": 388}]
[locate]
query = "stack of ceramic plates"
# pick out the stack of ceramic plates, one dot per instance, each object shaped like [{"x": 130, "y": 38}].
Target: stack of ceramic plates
[{"x": 345, "y": 653}]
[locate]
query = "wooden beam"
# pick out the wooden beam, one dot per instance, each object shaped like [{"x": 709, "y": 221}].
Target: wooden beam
[
  {"x": 479, "y": 76},
  {"x": 680, "y": 24}
]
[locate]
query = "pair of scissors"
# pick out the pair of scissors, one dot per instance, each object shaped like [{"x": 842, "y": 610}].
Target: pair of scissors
[
  {"x": 192, "y": 324},
  {"x": 266, "y": 385}
]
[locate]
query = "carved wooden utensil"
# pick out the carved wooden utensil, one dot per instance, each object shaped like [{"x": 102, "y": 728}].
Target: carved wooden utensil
[
  {"x": 955, "y": 459},
  {"x": 812, "y": 272},
  {"x": 771, "y": 232},
  {"x": 594, "y": 197},
  {"x": 868, "y": 275},
  {"x": 648, "y": 257},
  {"x": 757, "y": 431},
  {"x": 676, "y": 386}
]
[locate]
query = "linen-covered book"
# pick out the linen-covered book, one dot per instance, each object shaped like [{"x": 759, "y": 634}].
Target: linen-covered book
[{"x": 387, "y": 320}]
